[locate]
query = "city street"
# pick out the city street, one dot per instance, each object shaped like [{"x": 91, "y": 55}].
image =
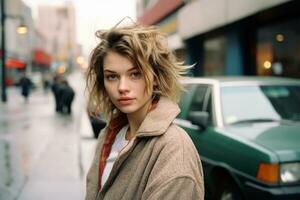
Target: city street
[{"x": 43, "y": 154}]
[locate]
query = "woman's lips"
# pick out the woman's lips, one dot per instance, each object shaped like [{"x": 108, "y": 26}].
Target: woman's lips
[{"x": 125, "y": 101}]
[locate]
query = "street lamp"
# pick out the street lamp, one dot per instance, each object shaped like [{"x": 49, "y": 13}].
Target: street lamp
[
  {"x": 22, "y": 29},
  {"x": 3, "y": 86}
]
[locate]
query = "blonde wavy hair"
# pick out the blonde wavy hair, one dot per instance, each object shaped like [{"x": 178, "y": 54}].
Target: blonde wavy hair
[{"x": 146, "y": 48}]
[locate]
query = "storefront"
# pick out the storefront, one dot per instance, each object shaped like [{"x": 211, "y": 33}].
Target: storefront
[
  {"x": 278, "y": 49},
  {"x": 41, "y": 61},
  {"x": 265, "y": 43},
  {"x": 13, "y": 68}
]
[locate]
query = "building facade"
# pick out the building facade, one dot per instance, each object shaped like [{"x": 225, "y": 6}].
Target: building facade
[
  {"x": 57, "y": 25},
  {"x": 18, "y": 43},
  {"x": 164, "y": 14},
  {"x": 41, "y": 58},
  {"x": 233, "y": 37}
]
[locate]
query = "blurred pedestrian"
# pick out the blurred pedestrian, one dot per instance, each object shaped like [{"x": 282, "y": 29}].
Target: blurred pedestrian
[
  {"x": 26, "y": 84},
  {"x": 55, "y": 87},
  {"x": 66, "y": 95},
  {"x": 141, "y": 154},
  {"x": 46, "y": 78}
]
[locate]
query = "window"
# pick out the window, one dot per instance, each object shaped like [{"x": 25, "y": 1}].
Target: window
[
  {"x": 278, "y": 49},
  {"x": 272, "y": 102},
  {"x": 214, "y": 56},
  {"x": 202, "y": 100}
]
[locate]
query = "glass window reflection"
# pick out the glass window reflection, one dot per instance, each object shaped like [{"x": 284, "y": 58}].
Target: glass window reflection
[{"x": 260, "y": 103}]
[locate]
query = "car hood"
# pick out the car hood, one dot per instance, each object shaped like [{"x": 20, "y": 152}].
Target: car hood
[{"x": 283, "y": 139}]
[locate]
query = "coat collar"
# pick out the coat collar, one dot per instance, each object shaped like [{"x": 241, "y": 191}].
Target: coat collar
[{"x": 159, "y": 119}]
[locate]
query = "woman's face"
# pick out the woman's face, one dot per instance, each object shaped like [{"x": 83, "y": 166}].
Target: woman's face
[{"x": 125, "y": 84}]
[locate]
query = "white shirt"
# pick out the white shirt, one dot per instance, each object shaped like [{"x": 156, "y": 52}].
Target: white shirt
[{"x": 119, "y": 143}]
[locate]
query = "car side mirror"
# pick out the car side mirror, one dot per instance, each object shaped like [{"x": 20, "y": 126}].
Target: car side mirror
[{"x": 199, "y": 118}]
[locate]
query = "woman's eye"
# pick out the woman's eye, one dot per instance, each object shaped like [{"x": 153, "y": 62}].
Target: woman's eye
[
  {"x": 111, "y": 77},
  {"x": 136, "y": 75}
]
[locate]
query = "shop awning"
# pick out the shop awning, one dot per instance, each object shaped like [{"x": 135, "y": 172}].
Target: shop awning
[
  {"x": 41, "y": 57},
  {"x": 14, "y": 63}
]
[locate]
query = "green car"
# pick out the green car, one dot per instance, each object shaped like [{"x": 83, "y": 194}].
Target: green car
[{"x": 247, "y": 133}]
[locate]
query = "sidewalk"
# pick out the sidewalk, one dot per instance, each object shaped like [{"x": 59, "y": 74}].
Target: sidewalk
[{"x": 44, "y": 155}]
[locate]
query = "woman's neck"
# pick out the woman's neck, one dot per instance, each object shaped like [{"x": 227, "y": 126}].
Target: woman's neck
[{"x": 135, "y": 120}]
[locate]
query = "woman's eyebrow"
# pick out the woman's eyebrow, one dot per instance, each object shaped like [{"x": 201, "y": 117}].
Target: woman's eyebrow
[
  {"x": 133, "y": 68},
  {"x": 109, "y": 71}
]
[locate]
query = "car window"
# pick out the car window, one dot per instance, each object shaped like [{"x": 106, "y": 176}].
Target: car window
[
  {"x": 201, "y": 100},
  {"x": 185, "y": 100},
  {"x": 285, "y": 100},
  {"x": 260, "y": 103}
]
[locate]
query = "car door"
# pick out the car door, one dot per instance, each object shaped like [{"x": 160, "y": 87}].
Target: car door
[{"x": 198, "y": 97}]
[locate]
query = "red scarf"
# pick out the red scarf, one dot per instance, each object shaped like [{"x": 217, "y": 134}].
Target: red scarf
[{"x": 114, "y": 127}]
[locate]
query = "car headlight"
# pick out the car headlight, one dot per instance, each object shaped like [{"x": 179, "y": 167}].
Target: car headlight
[{"x": 290, "y": 172}]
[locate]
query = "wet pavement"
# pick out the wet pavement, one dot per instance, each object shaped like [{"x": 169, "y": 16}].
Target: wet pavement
[{"x": 43, "y": 154}]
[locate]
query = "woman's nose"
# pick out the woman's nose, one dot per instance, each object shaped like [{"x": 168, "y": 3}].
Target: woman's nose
[{"x": 123, "y": 85}]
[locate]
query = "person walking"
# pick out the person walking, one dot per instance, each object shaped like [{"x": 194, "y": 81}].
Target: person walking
[
  {"x": 55, "y": 88},
  {"x": 26, "y": 84},
  {"x": 66, "y": 95},
  {"x": 141, "y": 154},
  {"x": 46, "y": 78}
]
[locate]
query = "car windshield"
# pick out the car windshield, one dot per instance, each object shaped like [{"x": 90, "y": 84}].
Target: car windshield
[{"x": 249, "y": 104}]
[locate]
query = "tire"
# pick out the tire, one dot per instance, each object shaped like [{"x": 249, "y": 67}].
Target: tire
[{"x": 228, "y": 190}]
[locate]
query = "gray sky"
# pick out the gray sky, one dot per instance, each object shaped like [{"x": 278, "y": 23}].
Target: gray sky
[{"x": 92, "y": 15}]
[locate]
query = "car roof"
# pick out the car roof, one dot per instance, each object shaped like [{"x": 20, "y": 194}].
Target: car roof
[{"x": 241, "y": 80}]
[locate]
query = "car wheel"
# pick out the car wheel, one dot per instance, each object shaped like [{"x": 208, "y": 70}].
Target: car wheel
[{"x": 227, "y": 190}]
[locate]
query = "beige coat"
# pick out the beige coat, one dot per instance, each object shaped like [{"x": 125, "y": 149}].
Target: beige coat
[{"x": 161, "y": 162}]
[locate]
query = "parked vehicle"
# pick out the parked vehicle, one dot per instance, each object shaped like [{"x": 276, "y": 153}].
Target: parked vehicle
[
  {"x": 97, "y": 121},
  {"x": 247, "y": 133}
]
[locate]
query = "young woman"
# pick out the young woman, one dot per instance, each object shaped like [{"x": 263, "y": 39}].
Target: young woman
[{"x": 141, "y": 154}]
